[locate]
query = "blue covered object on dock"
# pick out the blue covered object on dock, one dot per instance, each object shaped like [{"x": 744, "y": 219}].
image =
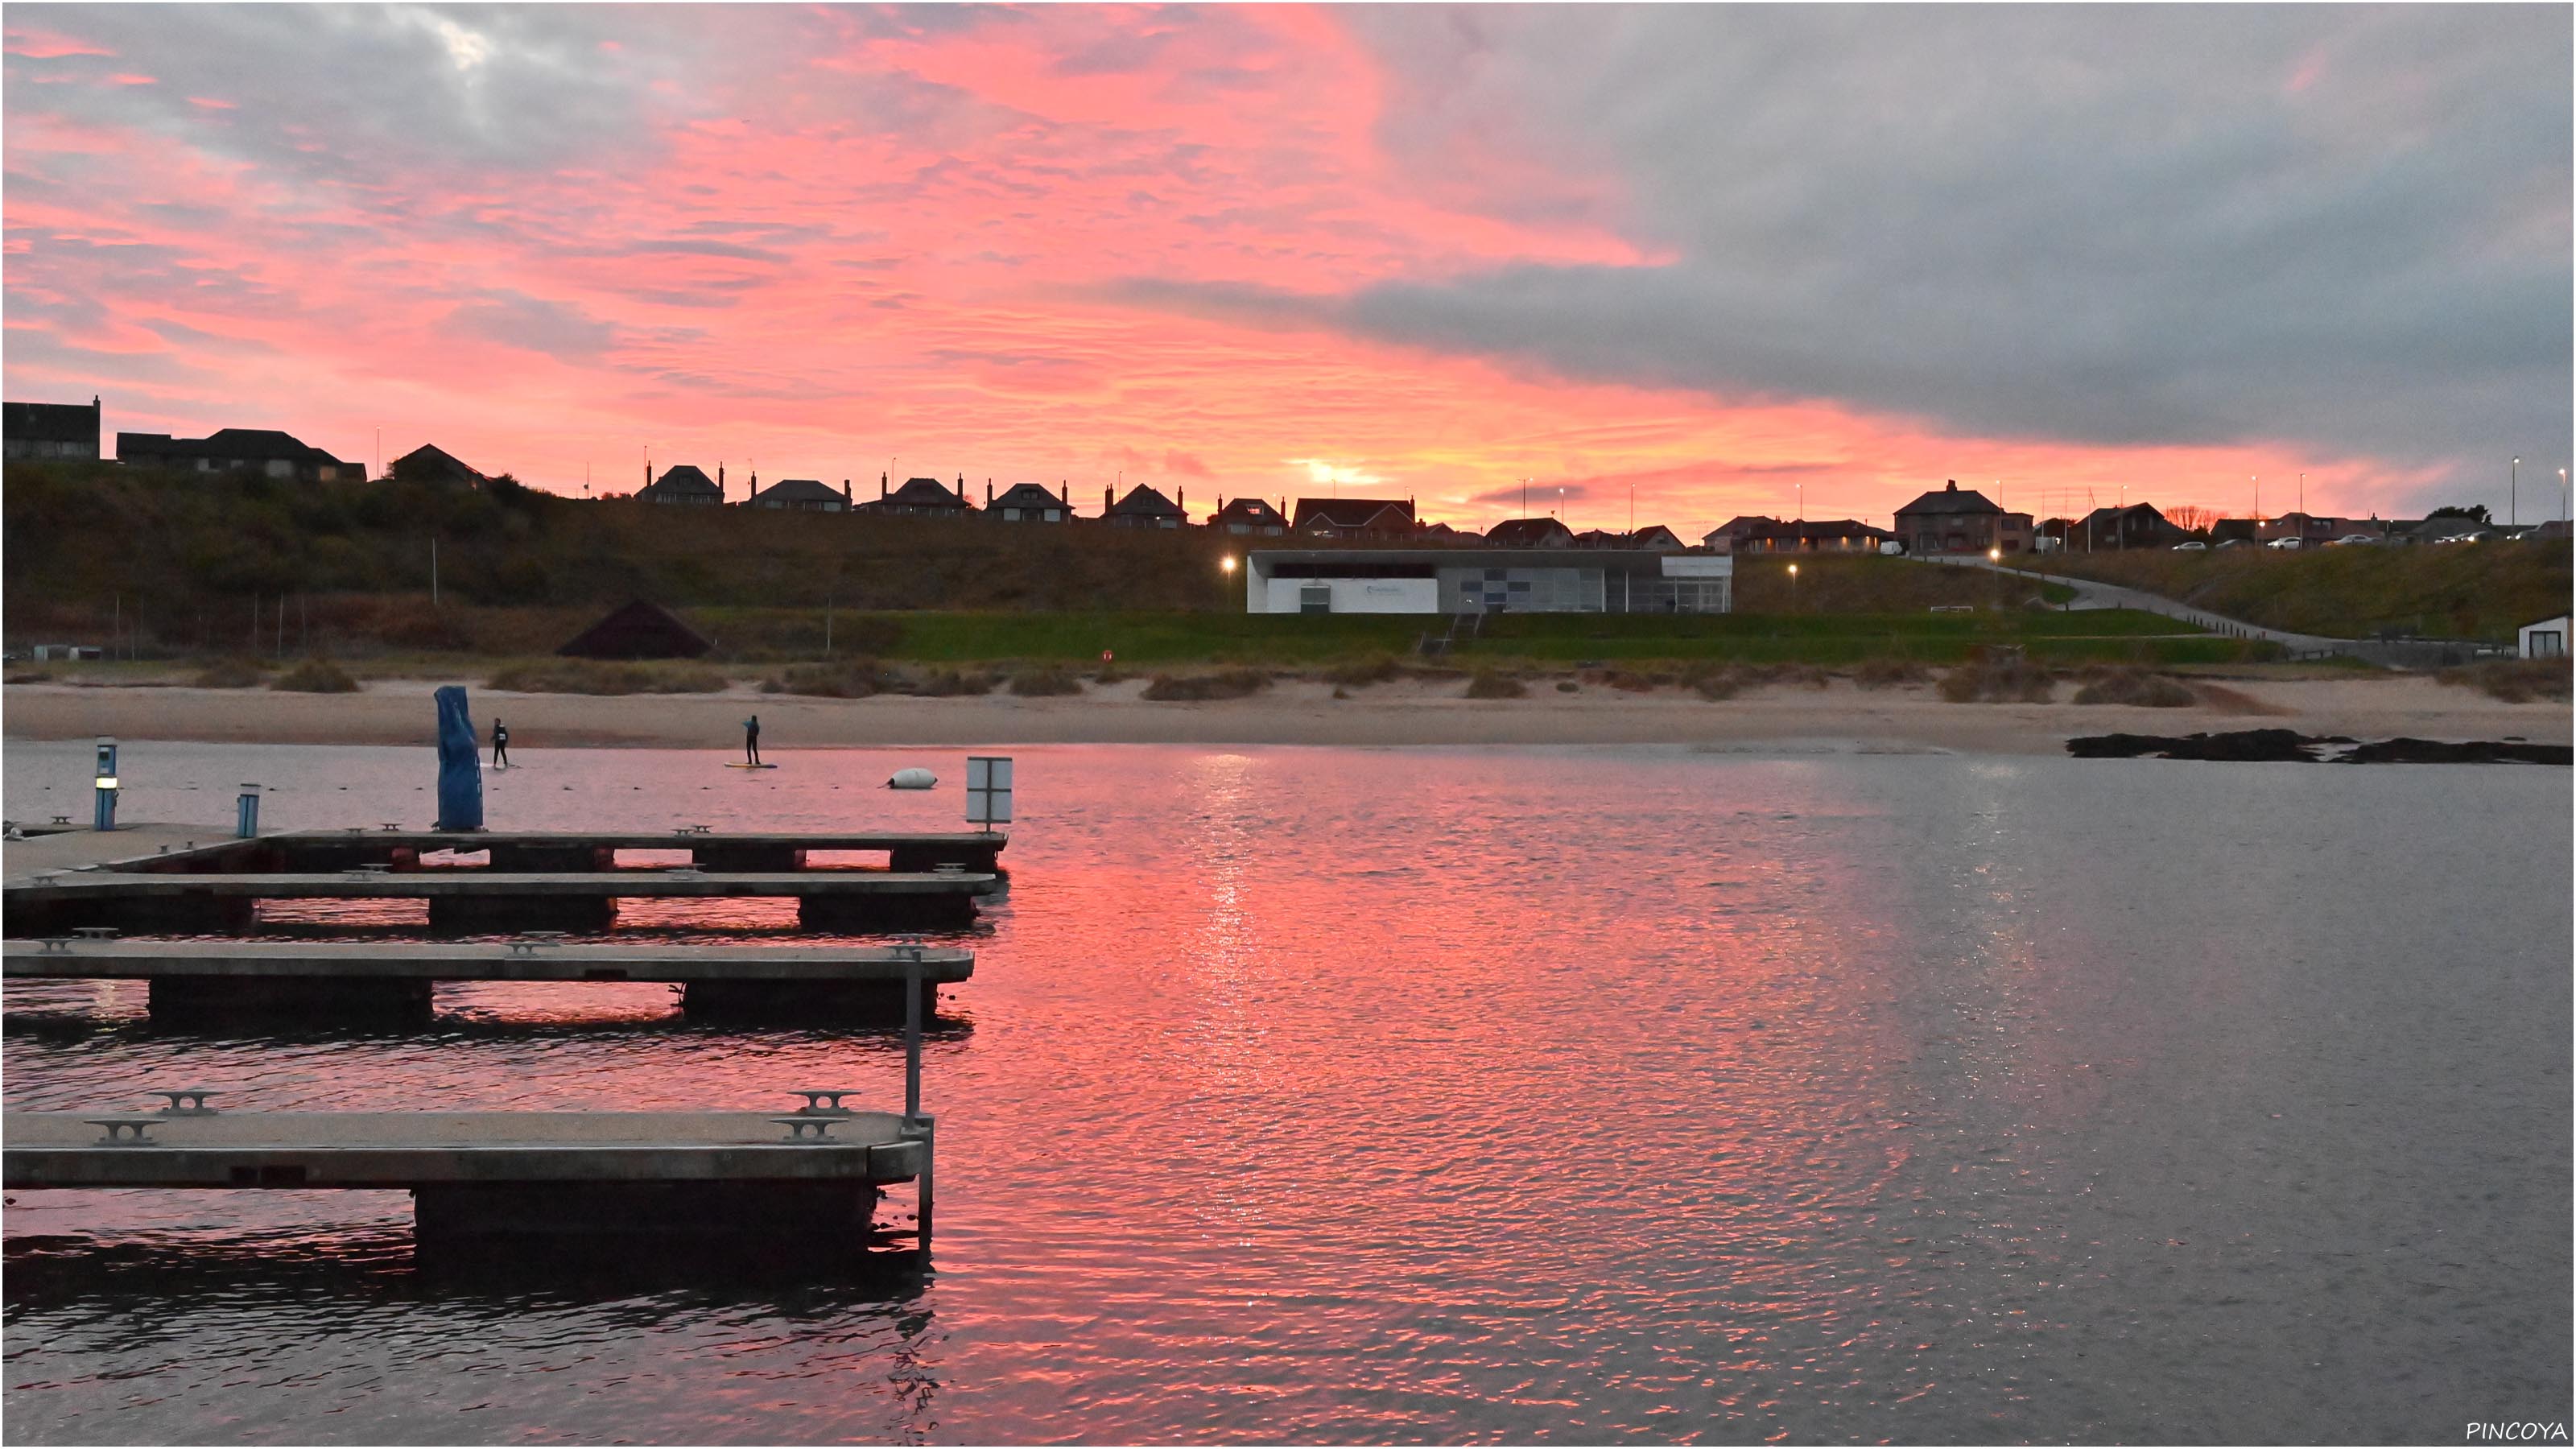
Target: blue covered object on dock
[{"x": 460, "y": 763}]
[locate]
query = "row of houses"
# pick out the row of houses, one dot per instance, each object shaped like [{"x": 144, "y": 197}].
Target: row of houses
[{"x": 1951, "y": 520}]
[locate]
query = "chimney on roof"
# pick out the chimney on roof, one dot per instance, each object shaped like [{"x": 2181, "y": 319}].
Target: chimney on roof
[
  {"x": 845, "y": 492},
  {"x": 988, "y": 492},
  {"x": 1064, "y": 494},
  {"x": 1953, "y": 488},
  {"x": 1108, "y": 501},
  {"x": 881, "y": 486},
  {"x": 1183, "y": 502}
]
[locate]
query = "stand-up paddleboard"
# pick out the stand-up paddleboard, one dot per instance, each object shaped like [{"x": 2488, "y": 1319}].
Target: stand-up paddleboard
[{"x": 742, "y": 765}]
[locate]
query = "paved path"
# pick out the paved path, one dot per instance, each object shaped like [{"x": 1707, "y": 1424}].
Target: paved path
[{"x": 2093, "y": 594}]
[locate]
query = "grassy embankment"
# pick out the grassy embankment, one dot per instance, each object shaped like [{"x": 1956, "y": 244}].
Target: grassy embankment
[
  {"x": 2452, "y": 591},
  {"x": 179, "y": 569}
]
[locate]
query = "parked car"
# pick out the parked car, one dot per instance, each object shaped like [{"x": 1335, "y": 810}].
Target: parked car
[
  {"x": 2350, "y": 539},
  {"x": 2195, "y": 546},
  {"x": 2286, "y": 544},
  {"x": 2235, "y": 543}
]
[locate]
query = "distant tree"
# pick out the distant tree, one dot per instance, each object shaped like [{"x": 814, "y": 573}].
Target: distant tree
[
  {"x": 2476, "y": 511},
  {"x": 2190, "y": 517}
]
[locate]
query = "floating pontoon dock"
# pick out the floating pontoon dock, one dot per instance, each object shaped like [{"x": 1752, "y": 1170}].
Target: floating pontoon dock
[
  {"x": 221, "y": 977},
  {"x": 565, "y": 1176},
  {"x": 481, "y": 900},
  {"x": 177, "y": 878}
]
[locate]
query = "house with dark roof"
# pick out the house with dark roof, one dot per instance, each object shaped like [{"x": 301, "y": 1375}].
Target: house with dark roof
[
  {"x": 1771, "y": 535},
  {"x": 2139, "y": 525},
  {"x": 1028, "y": 503},
  {"x": 1144, "y": 507},
  {"x": 435, "y": 467},
  {"x": 1957, "y": 520},
  {"x": 1653, "y": 536},
  {"x": 800, "y": 495},
  {"x": 919, "y": 498},
  {"x": 1252, "y": 516},
  {"x": 685, "y": 484},
  {"x": 1724, "y": 537},
  {"x": 56, "y": 432},
  {"x": 264, "y": 451},
  {"x": 1355, "y": 517},
  {"x": 1443, "y": 533},
  {"x": 1529, "y": 533}
]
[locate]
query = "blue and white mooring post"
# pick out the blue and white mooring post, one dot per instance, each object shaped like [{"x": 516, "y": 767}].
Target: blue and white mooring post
[
  {"x": 105, "y": 779},
  {"x": 246, "y": 819}
]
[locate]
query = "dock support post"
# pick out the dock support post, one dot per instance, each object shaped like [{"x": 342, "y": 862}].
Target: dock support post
[
  {"x": 916, "y": 1122},
  {"x": 945, "y": 910},
  {"x": 186, "y": 999},
  {"x": 475, "y": 915}
]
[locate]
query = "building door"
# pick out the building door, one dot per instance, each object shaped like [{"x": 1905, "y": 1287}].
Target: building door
[{"x": 1315, "y": 599}]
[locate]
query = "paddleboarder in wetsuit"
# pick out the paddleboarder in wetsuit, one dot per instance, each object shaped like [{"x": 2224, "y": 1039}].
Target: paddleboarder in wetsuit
[
  {"x": 751, "y": 740},
  {"x": 500, "y": 745}
]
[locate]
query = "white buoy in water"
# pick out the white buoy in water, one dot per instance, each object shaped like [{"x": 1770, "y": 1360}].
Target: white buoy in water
[{"x": 912, "y": 779}]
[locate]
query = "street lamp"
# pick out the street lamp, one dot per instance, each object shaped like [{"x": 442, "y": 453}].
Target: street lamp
[
  {"x": 1793, "y": 588},
  {"x": 2513, "y": 500},
  {"x": 1994, "y": 555}
]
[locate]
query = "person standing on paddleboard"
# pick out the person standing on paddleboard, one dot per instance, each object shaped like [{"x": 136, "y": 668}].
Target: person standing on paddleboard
[
  {"x": 500, "y": 745},
  {"x": 751, "y": 741}
]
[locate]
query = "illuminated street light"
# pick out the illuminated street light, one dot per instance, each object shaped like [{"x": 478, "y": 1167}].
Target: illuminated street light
[{"x": 1994, "y": 555}]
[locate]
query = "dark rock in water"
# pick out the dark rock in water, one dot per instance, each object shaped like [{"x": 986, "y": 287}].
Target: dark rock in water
[
  {"x": 2241, "y": 745},
  {"x": 2289, "y": 745},
  {"x": 2404, "y": 751}
]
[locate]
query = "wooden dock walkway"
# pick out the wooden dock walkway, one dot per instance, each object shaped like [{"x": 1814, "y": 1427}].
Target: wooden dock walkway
[
  {"x": 729, "y": 850},
  {"x": 485, "y": 900},
  {"x": 561, "y": 1176},
  {"x": 225, "y": 978}
]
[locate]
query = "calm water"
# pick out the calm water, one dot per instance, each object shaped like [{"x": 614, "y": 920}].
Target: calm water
[{"x": 1461, "y": 1095}]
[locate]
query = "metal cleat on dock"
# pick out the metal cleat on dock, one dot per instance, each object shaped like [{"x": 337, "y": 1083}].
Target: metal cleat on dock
[
  {"x": 797, "y": 1128},
  {"x": 530, "y": 942},
  {"x": 816, "y": 1106},
  {"x": 187, "y": 1101},
  {"x": 118, "y": 1125},
  {"x": 54, "y": 945},
  {"x": 95, "y": 933}
]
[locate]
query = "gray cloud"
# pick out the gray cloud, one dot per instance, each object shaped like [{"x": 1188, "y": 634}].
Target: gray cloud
[
  {"x": 515, "y": 319},
  {"x": 2347, "y": 229},
  {"x": 351, "y": 93}
]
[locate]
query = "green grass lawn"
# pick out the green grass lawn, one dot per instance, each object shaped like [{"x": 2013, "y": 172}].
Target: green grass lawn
[
  {"x": 2466, "y": 591},
  {"x": 1155, "y": 640}
]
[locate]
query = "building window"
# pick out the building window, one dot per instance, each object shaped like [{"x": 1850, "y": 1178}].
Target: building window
[{"x": 1315, "y": 599}]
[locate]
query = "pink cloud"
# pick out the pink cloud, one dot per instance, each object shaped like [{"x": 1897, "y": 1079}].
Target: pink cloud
[{"x": 850, "y": 240}]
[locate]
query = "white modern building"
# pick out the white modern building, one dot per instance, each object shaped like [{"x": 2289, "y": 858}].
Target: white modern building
[
  {"x": 2546, "y": 639},
  {"x": 1475, "y": 580}
]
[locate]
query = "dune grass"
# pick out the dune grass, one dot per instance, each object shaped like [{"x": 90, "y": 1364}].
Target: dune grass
[
  {"x": 316, "y": 676},
  {"x": 2456, "y": 591}
]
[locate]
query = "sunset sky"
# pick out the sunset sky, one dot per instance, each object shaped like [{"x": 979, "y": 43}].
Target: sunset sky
[{"x": 1709, "y": 255}]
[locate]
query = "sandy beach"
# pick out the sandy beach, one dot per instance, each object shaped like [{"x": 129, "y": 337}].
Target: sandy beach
[{"x": 1841, "y": 716}]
